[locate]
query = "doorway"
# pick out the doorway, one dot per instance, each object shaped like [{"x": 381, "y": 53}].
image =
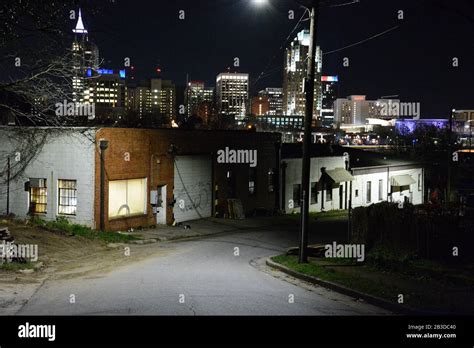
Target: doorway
[{"x": 161, "y": 205}]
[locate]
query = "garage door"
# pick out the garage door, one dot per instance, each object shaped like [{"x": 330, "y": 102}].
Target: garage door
[{"x": 192, "y": 188}]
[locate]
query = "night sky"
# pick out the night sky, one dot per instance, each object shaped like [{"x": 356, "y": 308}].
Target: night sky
[{"x": 413, "y": 61}]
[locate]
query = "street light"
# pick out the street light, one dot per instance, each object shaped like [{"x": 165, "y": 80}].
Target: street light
[
  {"x": 309, "y": 89},
  {"x": 260, "y": 2}
]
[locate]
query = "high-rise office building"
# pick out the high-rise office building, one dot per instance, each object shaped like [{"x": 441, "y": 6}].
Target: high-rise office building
[
  {"x": 153, "y": 97},
  {"x": 295, "y": 73},
  {"x": 232, "y": 92},
  {"x": 163, "y": 98},
  {"x": 195, "y": 95},
  {"x": 85, "y": 56},
  {"x": 139, "y": 99},
  {"x": 329, "y": 91},
  {"x": 275, "y": 100},
  {"x": 357, "y": 110},
  {"x": 106, "y": 90}
]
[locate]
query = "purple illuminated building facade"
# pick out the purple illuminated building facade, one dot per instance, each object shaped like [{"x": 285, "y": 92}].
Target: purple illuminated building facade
[{"x": 409, "y": 125}]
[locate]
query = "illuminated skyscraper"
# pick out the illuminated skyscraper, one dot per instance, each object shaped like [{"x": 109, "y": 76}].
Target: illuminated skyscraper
[
  {"x": 275, "y": 100},
  {"x": 329, "y": 91},
  {"x": 295, "y": 72},
  {"x": 106, "y": 90},
  {"x": 232, "y": 91},
  {"x": 196, "y": 95},
  {"x": 85, "y": 58}
]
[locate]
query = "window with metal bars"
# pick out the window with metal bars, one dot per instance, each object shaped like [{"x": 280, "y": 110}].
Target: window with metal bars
[
  {"x": 38, "y": 196},
  {"x": 67, "y": 197}
]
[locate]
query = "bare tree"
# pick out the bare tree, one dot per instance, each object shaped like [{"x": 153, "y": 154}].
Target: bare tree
[{"x": 36, "y": 73}]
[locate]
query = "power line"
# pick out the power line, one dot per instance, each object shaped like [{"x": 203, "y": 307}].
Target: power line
[
  {"x": 363, "y": 41},
  {"x": 267, "y": 68},
  {"x": 268, "y": 72},
  {"x": 346, "y": 4}
]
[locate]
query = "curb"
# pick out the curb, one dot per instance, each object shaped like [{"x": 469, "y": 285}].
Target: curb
[
  {"x": 377, "y": 301},
  {"x": 143, "y": 241},
  {"x": 177, "y": 238}
]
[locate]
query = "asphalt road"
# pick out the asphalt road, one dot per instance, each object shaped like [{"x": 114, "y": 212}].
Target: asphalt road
[{"x": 198, "y": 277}]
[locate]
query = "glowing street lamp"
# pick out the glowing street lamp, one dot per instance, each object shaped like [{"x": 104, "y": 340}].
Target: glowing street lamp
[{"x": 260, "y": 2}]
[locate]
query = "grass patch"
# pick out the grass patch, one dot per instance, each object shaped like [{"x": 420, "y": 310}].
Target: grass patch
[
  {"x": 384, "y": 259},
  {"x": 421, "y": 290},
  {"x": 64, "y": 225},
  {"x": 352, "y": 281},
  {"x": 388, "y": 260},
  {"x": 16, "y": 266}
]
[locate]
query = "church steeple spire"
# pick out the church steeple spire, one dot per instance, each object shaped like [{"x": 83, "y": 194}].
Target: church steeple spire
[{"x": 80, "y": 25}]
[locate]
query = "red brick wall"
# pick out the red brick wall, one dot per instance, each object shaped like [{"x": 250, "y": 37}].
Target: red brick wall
[{"x": 148, "y": 147}]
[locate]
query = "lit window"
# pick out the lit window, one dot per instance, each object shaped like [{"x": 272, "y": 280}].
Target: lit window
[
  {"x": 67, "y": 196},
  {"x": 127, "y": 198},
  {"x": 38, "y": 196}
]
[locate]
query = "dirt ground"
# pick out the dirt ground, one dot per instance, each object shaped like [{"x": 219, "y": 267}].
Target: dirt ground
[{"x": 65, "y": 257}]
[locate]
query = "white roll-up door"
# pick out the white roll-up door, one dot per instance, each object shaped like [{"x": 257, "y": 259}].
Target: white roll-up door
[{"x": 192, "y": 188}]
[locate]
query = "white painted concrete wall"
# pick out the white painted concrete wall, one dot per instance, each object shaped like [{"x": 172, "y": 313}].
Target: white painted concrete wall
[
  {"x": 68, "y": 156},
  {"x": 359, "y": 187},
  {"x": 293, "y": 176}
]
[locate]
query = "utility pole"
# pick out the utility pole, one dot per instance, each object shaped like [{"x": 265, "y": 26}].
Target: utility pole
[
  {"x": 8, "y": 185},
  {"x": 348, "y": 204},
  {"x": 470, "y": 135},
  {"x": 309, "y": 89},
  {"x": 450, "y": 156},
  {"x": 104, "y": 144}
]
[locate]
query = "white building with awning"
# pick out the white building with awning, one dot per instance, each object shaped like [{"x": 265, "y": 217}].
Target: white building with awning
[
  {"x": 342, "y": 176},
  {"x": 392, "y": 183},
  {"x": 339, "y": 175},
  {"x": 402, "y": 180}
]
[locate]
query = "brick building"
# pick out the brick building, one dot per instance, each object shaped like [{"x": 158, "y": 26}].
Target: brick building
[{"x": 151, "y": 176}]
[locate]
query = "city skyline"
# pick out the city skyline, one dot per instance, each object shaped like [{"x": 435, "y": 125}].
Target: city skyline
[{"x": 394, "y": 63}]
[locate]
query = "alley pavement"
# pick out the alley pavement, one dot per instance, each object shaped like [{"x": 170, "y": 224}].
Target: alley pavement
[{"x": 218, "y": 274}]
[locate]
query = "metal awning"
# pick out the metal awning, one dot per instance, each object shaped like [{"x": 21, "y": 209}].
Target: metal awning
[
  {"x": 339, "y": 175},
  {"x": 402, "y": 180}
]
